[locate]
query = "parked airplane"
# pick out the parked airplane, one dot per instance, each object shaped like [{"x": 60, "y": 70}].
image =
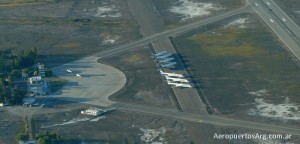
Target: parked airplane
[
  {"x": 78, "y": 75},
  {"x": 166, "y": 60},
  {"x": 163, "y": 56},
  {"x": 171, "y": 74},
  {"x": 169, "y": 65},
  {"x": 179, "y": 84},
  {"x": 69, "y": 71},
  {"x": 160, "y": 53},
  {"x": 177, "y": 79}
]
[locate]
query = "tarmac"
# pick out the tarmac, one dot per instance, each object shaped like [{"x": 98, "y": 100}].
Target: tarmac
[{"x": 96, "y": 84}]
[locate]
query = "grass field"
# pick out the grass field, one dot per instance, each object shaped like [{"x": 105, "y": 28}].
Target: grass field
[{"x": 233, "y": 62}]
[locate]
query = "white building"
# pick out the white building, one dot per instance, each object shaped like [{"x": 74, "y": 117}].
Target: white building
[
  {"x": 93, "y": 111},
  {"x": 35, "y": 80},
  {"x": 38, "y": 86}
]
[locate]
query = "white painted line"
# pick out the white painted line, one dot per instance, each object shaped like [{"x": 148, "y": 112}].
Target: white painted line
[
  {"x": 277, "y": 34},
  {"x": 285, "y": 14},
  {"x": 283, "y": 19},
  {"x": 268, "y": 3},
  {"x": 271, "y": 20},
  {"x": 256, "y": 4}
]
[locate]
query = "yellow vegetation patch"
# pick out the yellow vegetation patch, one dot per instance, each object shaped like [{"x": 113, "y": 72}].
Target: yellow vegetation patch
[
  {"x": 70, "y": 45},
  {"x": 225, "y": 42},
  {"x": 13, "y": 3},
  {"x": 134, "y": 58}
]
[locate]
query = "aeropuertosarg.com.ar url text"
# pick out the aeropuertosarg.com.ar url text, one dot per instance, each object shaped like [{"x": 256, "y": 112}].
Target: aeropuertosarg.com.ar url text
[{"x": 253, "y": 136}]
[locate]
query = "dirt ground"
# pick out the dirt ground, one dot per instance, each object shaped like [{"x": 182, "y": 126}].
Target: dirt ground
[
  {"x": 9, "y": 126},
  {"x": 144, "y": 84},
  {"x": 115, "y": 127},
  {"x": 292, "y": 8},
  {"x": 66, "y": 28},
  {"x": 178, "y": 12},
  {"x": 244, "y": 72}
]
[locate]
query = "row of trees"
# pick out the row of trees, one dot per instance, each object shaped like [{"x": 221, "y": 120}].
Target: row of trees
[
  {"x": 44, "y": 138},
  {"x": 11, "y": 66}
]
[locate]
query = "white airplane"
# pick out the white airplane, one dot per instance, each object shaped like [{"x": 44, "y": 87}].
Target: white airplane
[
  {"x": 171, "y": 74},
  {"x": 160, "y": 53},
  {"x": 169, "y": 65},
  {"x": 179, "y": 84},
  {"x": 163, "y": 56},
  {"x": 69, "y": 71},
  {"x": 78, "y": 75},
  {"x": 166, "y": 60},
  {"x": 177, "y": 79}
]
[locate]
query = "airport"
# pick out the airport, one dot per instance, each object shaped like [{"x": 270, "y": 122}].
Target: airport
[{"x": 189, "y": 78}]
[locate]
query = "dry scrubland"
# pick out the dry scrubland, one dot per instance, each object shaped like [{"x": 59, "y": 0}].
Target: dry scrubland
[
  {"x": 177, "y": 12},
  {"x": 115, "y": 127},
  {"x": 144, "y": 83},
  {"x": 244, "y": 70},
  {"x": 63, "y": 30}
]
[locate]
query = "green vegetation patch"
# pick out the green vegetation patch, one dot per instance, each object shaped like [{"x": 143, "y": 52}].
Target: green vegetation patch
[
  {"x": 232, "y": 62},
  {"x": 57, "y": 83},
  {"x": 226, "y": 42}
]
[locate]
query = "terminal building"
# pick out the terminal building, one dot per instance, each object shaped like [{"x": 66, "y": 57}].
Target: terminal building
[
  {"x": 37, "y": 86},
  {"x": 41, "y": 68}
]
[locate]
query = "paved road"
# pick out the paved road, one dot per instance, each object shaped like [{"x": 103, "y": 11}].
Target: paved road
[
  {"x": 208, "y": 119},
  {"x": 285, "y": 29},
  {"x": 172, "y": 32}
]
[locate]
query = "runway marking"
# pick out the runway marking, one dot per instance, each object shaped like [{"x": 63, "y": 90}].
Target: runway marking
[
  {"x": 271, "y": 20},
  {"x": 283, "y": 19},
  {"x": 268, "y": 3}
]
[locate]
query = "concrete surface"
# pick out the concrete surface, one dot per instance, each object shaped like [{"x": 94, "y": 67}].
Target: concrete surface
[{"x": 97, "y": 83}]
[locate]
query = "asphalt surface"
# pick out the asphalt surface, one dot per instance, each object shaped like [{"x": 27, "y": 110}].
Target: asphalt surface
[
  {"x": 280, "y": 23},
  {"x": 97, "y": 83},
  {"x": 207, "y": 119},
  {"x": 188, "y": 98},
  {"x": 150, "y": 24}
]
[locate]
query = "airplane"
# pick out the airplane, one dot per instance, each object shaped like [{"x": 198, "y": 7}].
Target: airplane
[
  {"x": 169, "y": 65},
  {"x": 179, "y": 84},
  {"x": 166, "y": 60},
  {"x": 171, "y": 74},
  {"x": 78, "y": 75},
  {"x": 69, "y": 71},
  {"x": 163, "y": 56},
  {"x": 177, "y": 79},
  {"x": 160, "y": 53}
]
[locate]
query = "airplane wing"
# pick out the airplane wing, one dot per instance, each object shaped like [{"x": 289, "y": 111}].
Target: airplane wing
[
  {"x": 161, "y": 53},
  {"x": 169, "y": 65}
]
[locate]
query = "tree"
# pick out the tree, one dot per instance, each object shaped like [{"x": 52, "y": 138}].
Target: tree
[
  {"x": 44, "y": 140},
  {"x": 48, "y": 138},
  {"x": 23, "y": 136},
  {"x": 48, "y": 72}
]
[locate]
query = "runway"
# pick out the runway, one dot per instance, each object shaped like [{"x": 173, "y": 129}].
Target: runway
[{"x": 279, "y": 23}]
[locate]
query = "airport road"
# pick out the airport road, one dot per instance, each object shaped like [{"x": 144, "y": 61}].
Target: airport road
[
  {"x": 172, "y": 32},
  {"x": 284, "y": 18},
  {"x": 207, "y": 119},
  {"x": 188, "y": 98},
  {"x": 285, "y": 30}
]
